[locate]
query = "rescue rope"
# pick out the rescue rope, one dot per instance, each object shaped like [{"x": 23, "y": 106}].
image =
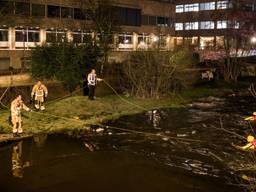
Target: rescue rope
[
  {"x": 151, "y": 134},
  {"x": 123, "y": 99},
  {"x": 2, "y": 96},
  {"x": 227, "y": 131}
]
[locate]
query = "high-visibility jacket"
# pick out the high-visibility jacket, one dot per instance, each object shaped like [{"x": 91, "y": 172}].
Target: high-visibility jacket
[
  {"x": 92, "y": 79},
  {"x": 17, "y": 106},
  {"x": 39, "y": 92}
]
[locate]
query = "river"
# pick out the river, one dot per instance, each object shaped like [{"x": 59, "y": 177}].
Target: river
[{"x": 185, "y": 150}]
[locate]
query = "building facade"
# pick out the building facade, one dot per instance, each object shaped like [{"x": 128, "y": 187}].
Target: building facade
[
  {"x": 144, "y": 24},
  {"x": 205, "y": 24},
  {"x": 29, "y": 23}
]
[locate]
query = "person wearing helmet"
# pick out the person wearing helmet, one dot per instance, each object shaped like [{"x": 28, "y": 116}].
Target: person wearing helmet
[
  {"x": 17, "y": 106},
  {"x": 38, "y": 94},
  {"x": 251, "y": 118},
  {"x": 251, "y": 145}
]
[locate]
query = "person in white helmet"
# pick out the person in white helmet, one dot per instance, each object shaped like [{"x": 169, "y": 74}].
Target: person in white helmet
[{"x": 38, "y": 94}]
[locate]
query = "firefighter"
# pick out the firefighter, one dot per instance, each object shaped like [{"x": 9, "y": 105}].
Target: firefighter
[
  {"x": 251, "y": 118},
  {"x": 251, "y": 145},
  {"x": 17, "y": 106},
  {"x": 92, "y": 82},
  {"x": 38, "y": 95}
]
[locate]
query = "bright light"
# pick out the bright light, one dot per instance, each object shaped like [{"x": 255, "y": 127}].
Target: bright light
[
  {"x": 126, "y": 41},
  {"x": 253, "y": 39},
  {"x": 155, "y": 39}
]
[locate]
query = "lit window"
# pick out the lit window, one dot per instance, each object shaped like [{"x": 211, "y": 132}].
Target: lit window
[
  {"x": 178, "y": 26},
  {"x": 207, "y": 25},
  {"x": 191, "y": 26},
  {"x": 207, "y": 6},
  {"x": 191, "y": 7},
  {"x": 125, "y": 39},
  {"x": 236, "y": 25},
  {"x": 222, "y": 4},
  {"x": 222, "y": 24},
  {"x": 179, "y": 8}
]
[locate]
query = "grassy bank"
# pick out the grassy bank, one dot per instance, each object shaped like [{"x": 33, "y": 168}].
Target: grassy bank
[{"x": 78, "y": 112}]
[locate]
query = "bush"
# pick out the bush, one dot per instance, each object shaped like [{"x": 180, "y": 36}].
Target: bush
[
  {"x": 156, "y": 73},
  {"x": 64, "y": 62}
]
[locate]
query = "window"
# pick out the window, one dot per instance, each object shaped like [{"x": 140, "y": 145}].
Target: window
[
  {"x": 53, "y": 11},
  {"x": 222, "y": 24},
  {"x": 66, "y": 12},
  {"x": 178, "y": 26},
  {"x": 6, "y": 7},
  {"x": 22, "y": 8},
  {"x": 53, "y": 36},
  {"x": 206, "y": 42},
  {"x": 33, "y": 36},
  {"x": 248, "y": 7},
  {"x": 20, "y": 35},
  {"x": 222, "y": 4},
  {"x": 3, "y": 34},
  {"x": 191, "y": 7},
  {"x": 79, "y": 14},
  {"x": 233, "y": 24},
  {"x": 179, "y": 8},
  {"x": 207, "y": 25},
  {"x": 152, "y": 20},
  {"x": 163, "y": 21},
  {"x": 27, "y": 35},
  {"x": 191, "y": 26},
  {"x": 127, "y": 16},
  {"x": 86, "y": 37},
  {"x": 77, "y": 37},
  {"x": 125, "y": 39},
  {"x": 207, "y": 6},
  {"x": 38, "y": 10},
  {"x": 144, "y": 20}
]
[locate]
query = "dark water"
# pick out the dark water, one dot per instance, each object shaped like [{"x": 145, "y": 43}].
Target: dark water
[{"x": 125, "y": 161}]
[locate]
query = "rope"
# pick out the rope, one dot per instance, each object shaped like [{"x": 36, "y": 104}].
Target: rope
[
  {"x": 4, "y": 93},
  {"x": 123, "y": 99},
  {"x": 151, "y": 134},
  {"x": 225, "y": 130}
]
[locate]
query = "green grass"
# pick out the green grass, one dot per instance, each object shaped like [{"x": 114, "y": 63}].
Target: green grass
[{"x": 78, "y": 112}]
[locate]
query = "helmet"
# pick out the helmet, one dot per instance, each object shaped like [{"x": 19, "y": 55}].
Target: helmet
[{"x": 250, "y": 138}]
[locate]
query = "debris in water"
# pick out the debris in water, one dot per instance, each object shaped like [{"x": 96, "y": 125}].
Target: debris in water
[{"x": 99, "y": 130}]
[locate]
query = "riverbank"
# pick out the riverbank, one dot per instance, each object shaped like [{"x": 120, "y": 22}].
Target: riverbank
[{"x": 78, "y": 113}]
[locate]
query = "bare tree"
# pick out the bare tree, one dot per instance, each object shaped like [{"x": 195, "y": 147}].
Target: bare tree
[{"x": 103, "y": 23}]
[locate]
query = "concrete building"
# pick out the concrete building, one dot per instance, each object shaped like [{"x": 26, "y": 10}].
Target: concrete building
[
  {"x": 166, "y": 24},
  {"x": 204, "y": 24},
  {"x": 28, "y": 23}
]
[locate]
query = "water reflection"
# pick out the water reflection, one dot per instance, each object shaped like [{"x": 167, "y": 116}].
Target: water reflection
[
  {"x": 154, "y": 118},
  {"x": 40, "y": 140},
  {"x": 18, "y": 165}
]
